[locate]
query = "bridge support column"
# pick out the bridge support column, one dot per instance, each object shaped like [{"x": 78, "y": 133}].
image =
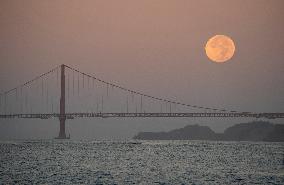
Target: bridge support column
[{"x": 62, "y": 118}]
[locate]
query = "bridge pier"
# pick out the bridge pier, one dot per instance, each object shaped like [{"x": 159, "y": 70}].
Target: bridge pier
[{"x": 62, "y": 117}]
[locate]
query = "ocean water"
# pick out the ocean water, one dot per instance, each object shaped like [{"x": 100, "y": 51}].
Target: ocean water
[{"x": 140, "y": 162}]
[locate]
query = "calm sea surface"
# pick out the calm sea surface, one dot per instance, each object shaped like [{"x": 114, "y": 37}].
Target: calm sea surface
[{"x": 145, "y": 162}]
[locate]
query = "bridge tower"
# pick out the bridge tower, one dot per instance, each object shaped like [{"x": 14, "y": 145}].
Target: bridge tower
[{"x": 62, "y": 117}]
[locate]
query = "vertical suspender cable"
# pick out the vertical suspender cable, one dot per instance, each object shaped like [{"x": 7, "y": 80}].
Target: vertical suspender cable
[
  {"x": 102, "y": 103},
  {"x": 16, "y": 103},
  {"x": 5, "y": 103},
  {"x": 88, "y": 83},
  {"x": 97, "y": 105},
  {"x": 73, "y": 81},
  {"x": 78, "y": 83},
  {"x": 127, "y": 104},
  {"x": 16, "y": 94},
  {"x": 42, "y": 94},
  {"x": 31, "y": 106},
  {"x": 52, "y": 105},
  {"x": 68, "y": 88},
  {"x": 57, "y": 77},
  {"x": 38, "y": 88},
  {"x": 47, "y": 98},
  {"x": 26, "y": 102},
  {"x": 132, "y": 96},
  {"x": 83, "y": 80},
  {"x": 141, "y": 105},
  {"x": 21, "y": 99},
  {"x": 0, "y": 103},
  {"x": 93, "y": 83}
]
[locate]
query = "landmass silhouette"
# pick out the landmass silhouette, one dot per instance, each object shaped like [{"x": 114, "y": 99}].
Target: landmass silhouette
[{"x": 252, "y": 131}]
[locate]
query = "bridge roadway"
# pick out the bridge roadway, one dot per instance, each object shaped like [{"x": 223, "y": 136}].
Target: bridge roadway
[{"x": 135, "y": 115}]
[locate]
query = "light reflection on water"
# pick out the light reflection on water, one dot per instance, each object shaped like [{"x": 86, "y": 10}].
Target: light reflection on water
[{"x": 140, "y": 162}]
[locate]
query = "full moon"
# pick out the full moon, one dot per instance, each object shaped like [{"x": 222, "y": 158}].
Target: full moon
[{"x": 220, "y": 48}]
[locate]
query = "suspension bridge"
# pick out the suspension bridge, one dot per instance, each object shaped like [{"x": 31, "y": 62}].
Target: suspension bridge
[{"x": 41, "y": 99}]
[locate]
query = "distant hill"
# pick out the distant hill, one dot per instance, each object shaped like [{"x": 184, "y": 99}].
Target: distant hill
[
  {"x": 276, "y": 135},
  {"x": 187, "y": 133},
  {"x": 253, "y": 131}
]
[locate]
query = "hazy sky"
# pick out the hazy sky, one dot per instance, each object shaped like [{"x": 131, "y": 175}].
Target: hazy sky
[{"x": 156, "y": 47}]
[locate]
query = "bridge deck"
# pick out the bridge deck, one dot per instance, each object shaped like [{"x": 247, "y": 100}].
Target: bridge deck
[{"x": 135, "y": 115}]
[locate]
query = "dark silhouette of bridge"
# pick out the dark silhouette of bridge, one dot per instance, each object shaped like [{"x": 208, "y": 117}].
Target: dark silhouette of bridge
[{"x": 18, "y": 104}]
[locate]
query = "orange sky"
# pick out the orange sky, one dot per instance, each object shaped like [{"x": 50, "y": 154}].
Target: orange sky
[{"x": 156, "y": 47}]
